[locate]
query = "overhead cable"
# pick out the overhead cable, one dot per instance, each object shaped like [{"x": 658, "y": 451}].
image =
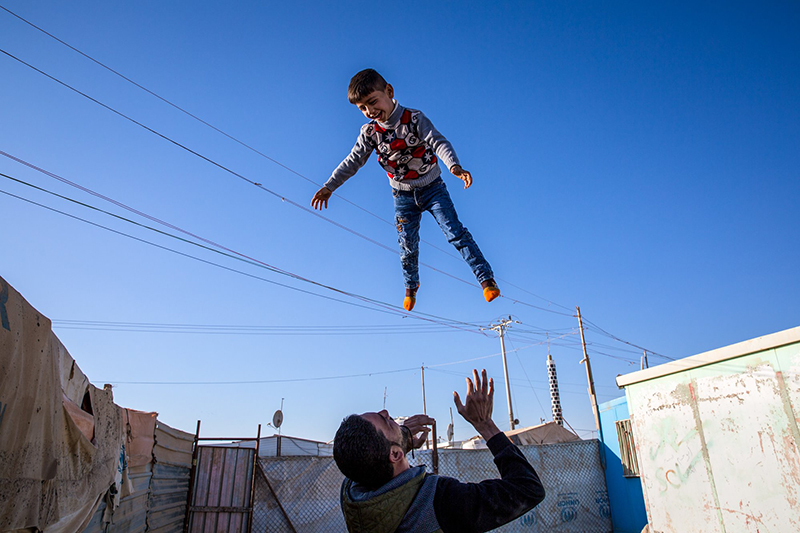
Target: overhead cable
[
  {"x": 385, "y": 307},
  {"x": 252, "y": 182},
  {"x": 258, "y": 152},
  {"x": 213, "y": 329}
]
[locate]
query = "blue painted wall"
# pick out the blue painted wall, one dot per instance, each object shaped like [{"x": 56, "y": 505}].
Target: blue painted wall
[{"x": 625, "y": 496}]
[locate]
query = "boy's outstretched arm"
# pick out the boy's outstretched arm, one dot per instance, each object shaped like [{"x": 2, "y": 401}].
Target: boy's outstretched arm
[
  {"x": 462, "y": 174},
  {"x": 346, "y": 169},
  {"x": 320, "y": 199}
]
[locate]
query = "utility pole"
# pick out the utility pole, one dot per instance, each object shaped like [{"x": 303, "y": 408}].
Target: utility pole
[
  {"x": 589, "y": 378},
  {"x": 646, "y": 364},
  {"x": 424, "y": 408},
  {"x": 501, "y": 328}
]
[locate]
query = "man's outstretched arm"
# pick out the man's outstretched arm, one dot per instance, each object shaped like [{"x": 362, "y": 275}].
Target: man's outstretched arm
[{"x": 477, "y": 507}]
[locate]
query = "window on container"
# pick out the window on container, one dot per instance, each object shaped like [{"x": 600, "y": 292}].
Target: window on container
[{"x": 627, "y": 449}]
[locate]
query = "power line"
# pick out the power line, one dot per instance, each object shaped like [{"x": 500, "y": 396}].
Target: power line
[
  {"x": 535, "y": 395},
  {"x": 282, "y": 198},
  {"x": 275, "y": 161},
  {"x": 218, "y": 165},
  {"x": 214, "y": 329},
  {"x": 260, "y": 381},
  {"x": 606, "y": 333},
  {"x": 237, "y": 255},
  {"x": 248, "y": 180},
  {"x": 182, "y": 253},
  {"x": 379, "y": 306},
  {"x": 249, "y": 382}
]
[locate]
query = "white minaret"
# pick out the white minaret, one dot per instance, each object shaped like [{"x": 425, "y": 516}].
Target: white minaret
[{"x": 555, "y": 400}]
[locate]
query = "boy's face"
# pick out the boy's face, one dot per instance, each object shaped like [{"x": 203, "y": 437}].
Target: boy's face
[{"x": 378, "y": 105}]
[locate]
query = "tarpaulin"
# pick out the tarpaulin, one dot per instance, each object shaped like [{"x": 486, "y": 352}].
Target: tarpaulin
[
  {"x": 140, "y": 428},
  {"x": 52, "y": 475}
]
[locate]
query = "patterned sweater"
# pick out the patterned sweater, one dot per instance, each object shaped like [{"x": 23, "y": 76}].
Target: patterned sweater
[{"x": 408, "y": 146}]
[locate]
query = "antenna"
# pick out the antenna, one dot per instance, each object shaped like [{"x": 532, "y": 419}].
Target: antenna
[
  {"x": 450, "y": 428},
  {"x": 277, "y": 418}
]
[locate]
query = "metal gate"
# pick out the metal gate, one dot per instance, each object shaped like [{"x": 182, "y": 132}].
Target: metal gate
[{"x": 222, "y": 498}]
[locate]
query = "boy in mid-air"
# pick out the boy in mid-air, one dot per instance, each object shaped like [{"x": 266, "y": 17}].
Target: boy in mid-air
[{"x": 409, "y": 149}]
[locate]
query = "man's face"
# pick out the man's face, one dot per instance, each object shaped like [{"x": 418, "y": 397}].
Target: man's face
[
  {"x": 378, "y": 105},
  {"x": 390, "y": 429}
]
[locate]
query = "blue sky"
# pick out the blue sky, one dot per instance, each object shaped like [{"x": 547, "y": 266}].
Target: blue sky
[{"x": 638, "y": 160}]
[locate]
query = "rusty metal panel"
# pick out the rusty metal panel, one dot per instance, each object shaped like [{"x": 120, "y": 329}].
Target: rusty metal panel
[
  {"x": 221, "y": 493},
  {"x": 169, "y": 488},
  {"x": 172, "y": 446},
  {"x": 718, "y": 444}
]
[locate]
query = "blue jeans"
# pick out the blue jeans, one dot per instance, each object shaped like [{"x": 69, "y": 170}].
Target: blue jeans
[{"x": 434, "y": 198}]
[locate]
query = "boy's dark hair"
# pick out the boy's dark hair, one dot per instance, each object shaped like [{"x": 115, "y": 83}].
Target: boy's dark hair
[
  {"x": 363, "y": 83},
  {"x": 362, "y": 452}
]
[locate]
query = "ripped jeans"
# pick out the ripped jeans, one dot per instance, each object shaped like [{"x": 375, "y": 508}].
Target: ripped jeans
[{"x": 434, "y": 198}]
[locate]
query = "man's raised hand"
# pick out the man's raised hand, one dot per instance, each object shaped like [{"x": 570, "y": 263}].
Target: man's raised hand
[{"x": 477, "y": 408}]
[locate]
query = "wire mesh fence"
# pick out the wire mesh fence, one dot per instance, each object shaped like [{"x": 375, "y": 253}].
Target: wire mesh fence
[{"x": 302, "y": 493}]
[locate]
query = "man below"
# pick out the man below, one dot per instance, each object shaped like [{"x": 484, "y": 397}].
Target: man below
[{"x": 383, "y": 494}]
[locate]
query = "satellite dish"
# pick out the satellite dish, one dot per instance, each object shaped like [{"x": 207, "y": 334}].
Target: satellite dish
[
  {"x": 449, "y": 432},
  {"x": 277, "y": 418}
]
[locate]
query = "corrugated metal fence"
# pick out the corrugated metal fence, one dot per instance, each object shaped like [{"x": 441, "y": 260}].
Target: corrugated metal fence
[
  {"x": 302, "y": 493},
  {"x": 160, "y": 489},
  {"x": 169, "y": 488}
]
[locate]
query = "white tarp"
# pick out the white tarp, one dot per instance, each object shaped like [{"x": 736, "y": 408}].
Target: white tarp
[{"x": 53, "y": 471}]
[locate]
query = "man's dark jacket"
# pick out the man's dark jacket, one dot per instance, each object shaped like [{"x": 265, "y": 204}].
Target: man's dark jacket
[{"x": 416, "y": 502}]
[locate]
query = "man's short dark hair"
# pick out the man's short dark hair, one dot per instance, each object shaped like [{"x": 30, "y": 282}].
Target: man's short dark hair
[
  {"x": 362, "y": 452},
  {"x": 364, "y": 83}
]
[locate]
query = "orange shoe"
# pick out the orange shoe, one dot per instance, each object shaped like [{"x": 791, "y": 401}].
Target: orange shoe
[
  {"x": 490, "y": 290},
  {"x": 410, "y": 299}
]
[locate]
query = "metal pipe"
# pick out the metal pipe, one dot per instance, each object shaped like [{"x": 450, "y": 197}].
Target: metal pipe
[
  {"x": 192, "y": 474},
  {"x": 253, "y": 482},
  {"x": 435, "y": 454}
]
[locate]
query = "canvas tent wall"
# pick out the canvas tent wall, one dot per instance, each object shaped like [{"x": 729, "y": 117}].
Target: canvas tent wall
[
  {"x": 60, "y": 437},
  {"x": 70, "y": 459}
]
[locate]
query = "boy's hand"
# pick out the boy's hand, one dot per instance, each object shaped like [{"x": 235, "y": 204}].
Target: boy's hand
[
  {"x": 462, "y": 174},
  {"x": 321, "y": 197}
]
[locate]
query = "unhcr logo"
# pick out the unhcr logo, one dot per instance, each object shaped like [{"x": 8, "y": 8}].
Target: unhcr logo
[
  {"x": 528, "y": 519},
  {"x": 601, "y": 499},
  {"x": 568, "y": 505}
]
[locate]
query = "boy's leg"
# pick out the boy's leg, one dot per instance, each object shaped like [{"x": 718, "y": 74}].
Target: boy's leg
[
  {"x": 407, "y": 216},
  {"x": 437, "y": 201}
]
